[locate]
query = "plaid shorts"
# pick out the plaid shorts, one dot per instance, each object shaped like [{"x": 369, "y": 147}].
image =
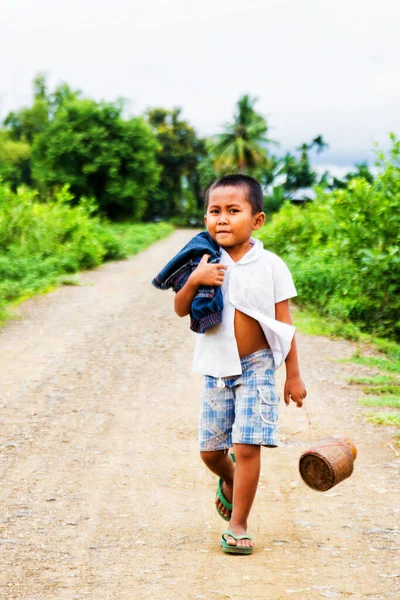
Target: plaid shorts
[{"x": 245, "y": 410}]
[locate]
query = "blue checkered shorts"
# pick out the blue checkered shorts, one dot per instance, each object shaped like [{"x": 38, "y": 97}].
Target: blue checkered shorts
[{"x": 245, "y": 411}]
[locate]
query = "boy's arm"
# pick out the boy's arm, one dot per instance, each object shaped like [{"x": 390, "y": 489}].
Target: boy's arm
[
  {"x": 205, "y": 274},
  {"x": 294, "y": 387}
]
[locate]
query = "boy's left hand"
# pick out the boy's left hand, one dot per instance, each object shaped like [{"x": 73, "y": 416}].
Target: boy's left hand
[{"x": 295, "y": 390}]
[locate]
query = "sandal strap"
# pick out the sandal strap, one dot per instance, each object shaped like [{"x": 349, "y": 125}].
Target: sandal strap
[
  {"x": 235, "y": 536},
  {"x": 221, "y": 496}
]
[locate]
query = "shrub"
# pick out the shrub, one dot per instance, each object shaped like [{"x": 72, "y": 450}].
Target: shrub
[
  {"x": 344, "y": 249},
  {"x": 40, "y": 242}
]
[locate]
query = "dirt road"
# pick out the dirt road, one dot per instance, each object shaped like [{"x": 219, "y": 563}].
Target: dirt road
[{"x": 103, "y": 495}]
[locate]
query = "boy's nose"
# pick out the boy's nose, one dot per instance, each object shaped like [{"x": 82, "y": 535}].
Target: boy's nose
[{"x": 222, "y": 218}]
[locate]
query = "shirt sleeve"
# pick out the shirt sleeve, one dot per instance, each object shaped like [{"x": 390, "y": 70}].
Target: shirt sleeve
[{"x": 284, "y": 287}]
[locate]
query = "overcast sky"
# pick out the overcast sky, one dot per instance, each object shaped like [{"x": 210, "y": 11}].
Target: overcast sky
[{"x": 317, "y": 66}]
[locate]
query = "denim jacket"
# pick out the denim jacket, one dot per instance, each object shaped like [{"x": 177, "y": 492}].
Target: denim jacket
[{"x": 207, "y": 305}]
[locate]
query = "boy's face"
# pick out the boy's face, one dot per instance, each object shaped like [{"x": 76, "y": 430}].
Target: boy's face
[{"x": 229, "y": 219}]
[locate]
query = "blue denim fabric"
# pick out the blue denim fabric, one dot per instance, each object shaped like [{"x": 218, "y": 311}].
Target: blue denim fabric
[{"x": 207, "y": 305}]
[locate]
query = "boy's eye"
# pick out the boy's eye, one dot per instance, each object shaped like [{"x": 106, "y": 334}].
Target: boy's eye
[
  {"x": 234, "y": 210},
  {"x": 214, "y": 211}
]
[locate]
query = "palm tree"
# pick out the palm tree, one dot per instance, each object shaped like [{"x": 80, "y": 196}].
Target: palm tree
[
  {"x": 320, "y": 143},
  {"x": 242, "y": 146}
]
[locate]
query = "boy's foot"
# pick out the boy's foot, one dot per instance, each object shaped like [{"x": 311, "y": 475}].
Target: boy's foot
[
  {"x": 236, "y": 542},
  {"x": 223, "y": 500}
]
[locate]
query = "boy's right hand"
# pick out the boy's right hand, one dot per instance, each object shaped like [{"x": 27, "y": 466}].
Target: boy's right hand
[{"x": 208, "y": 273}]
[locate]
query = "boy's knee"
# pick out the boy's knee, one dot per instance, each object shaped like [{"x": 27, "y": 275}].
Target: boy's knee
[
  {"x": 246, "y": 451},
  {"x": 212, "y": 457}
]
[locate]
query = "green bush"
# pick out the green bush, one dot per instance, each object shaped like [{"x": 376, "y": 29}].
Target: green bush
[
  {"x": 344, "y": 249},
  {"x": 91, "y": 148},
  {"x": 135, "y": 237},
  {"x": 39, "y": 242}
]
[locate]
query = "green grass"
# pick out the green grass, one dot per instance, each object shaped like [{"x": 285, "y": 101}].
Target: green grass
[
  {"x": 381, "y": 401},
  {"x": 387, "y": 347},
  {"x": 380, "y": 363},
  {"x": 43, "y": 243},
  {"x": 381, "y": 390},
  {"x": 46, "y": 251},
  {"x": 312, "y": 323},
  {"x": 375, "y": 380},
  {"x": 68, "y": 280},
  {"x": 391, "y": 419},
  {"x": 135, "y": 237}
]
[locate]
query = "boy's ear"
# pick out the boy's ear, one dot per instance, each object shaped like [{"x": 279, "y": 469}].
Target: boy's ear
[
  {"x": 205, "y": 219},
  {"x": 259, "y": 220}
]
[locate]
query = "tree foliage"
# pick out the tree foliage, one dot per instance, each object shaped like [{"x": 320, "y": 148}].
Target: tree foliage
[
  {"x": 361, "y": 171},
  {"x": 178, "y": 154},
  {"x": 242, "y": 147},
  {"x": 15, "y": 166},
  {"x": 98, "y": 154},
  {"x": 344, "y": 249},
  {"x": 42, "y": 241},
  {"x": 298, "y": 172},
  {"x": 63, "y": 138},
  {"x": 25, "y": 124}
]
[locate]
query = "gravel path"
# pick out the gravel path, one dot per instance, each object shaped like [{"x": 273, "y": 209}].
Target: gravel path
[{"x": 103, "y": 494}]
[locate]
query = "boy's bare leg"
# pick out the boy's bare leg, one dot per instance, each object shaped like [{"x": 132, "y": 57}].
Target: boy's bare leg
[
  {"x": 247, "y": 473},
  {"x": 220, "y": 463}
]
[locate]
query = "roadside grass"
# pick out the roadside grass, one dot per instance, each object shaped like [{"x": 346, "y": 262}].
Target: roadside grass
[
  {"x": 29, "y": 271},
  {"x": 379, "y": 401},
  {"x": 312, "y": 323},
  {"x": 135, "y": 237},
  {"x": 379, "y": 380},
  {"x": 386, "y": 418},
  {"x": 67, "y": 280},
  {"x": 382, "y": 389},
  {"x": 391, "y": 366}
]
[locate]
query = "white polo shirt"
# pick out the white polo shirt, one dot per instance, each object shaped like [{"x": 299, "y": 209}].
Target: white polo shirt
[{"x": 252, "y": 285}]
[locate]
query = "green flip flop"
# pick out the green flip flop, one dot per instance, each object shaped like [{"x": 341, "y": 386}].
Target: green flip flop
[
  {"x": 222, "y": 498},
  {"x": 236, "y": 549}
]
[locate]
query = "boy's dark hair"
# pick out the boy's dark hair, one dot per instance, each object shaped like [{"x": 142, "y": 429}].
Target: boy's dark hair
[{"x": 250, "y": 186}]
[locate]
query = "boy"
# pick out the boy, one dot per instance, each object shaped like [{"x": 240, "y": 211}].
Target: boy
[{"x": 238, "y": 357}]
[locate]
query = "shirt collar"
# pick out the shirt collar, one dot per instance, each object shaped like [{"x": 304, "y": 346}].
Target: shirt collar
[{"x": 250, "y": 256}]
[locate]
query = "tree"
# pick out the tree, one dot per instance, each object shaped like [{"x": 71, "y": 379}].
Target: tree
[
  {"x": 61, "y": 95},
  {"x": 305, "y": 176},
  {"x": 26, "y": 123},
  {"x": 14, "y": 161},
  {"x": 98, "y": 154},
  {"x": 361, "y": 171},
  {"x": 241, "y": 148},
  {"x": 319, "y": 143},
  {"x": 23, "y": 126},
  {"x": 298, "y": 171},
  {"x": 179, "y": 154}
]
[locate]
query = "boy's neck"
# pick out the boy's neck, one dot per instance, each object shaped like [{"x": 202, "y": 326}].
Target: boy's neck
[{"x": 237, "y": 252}]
